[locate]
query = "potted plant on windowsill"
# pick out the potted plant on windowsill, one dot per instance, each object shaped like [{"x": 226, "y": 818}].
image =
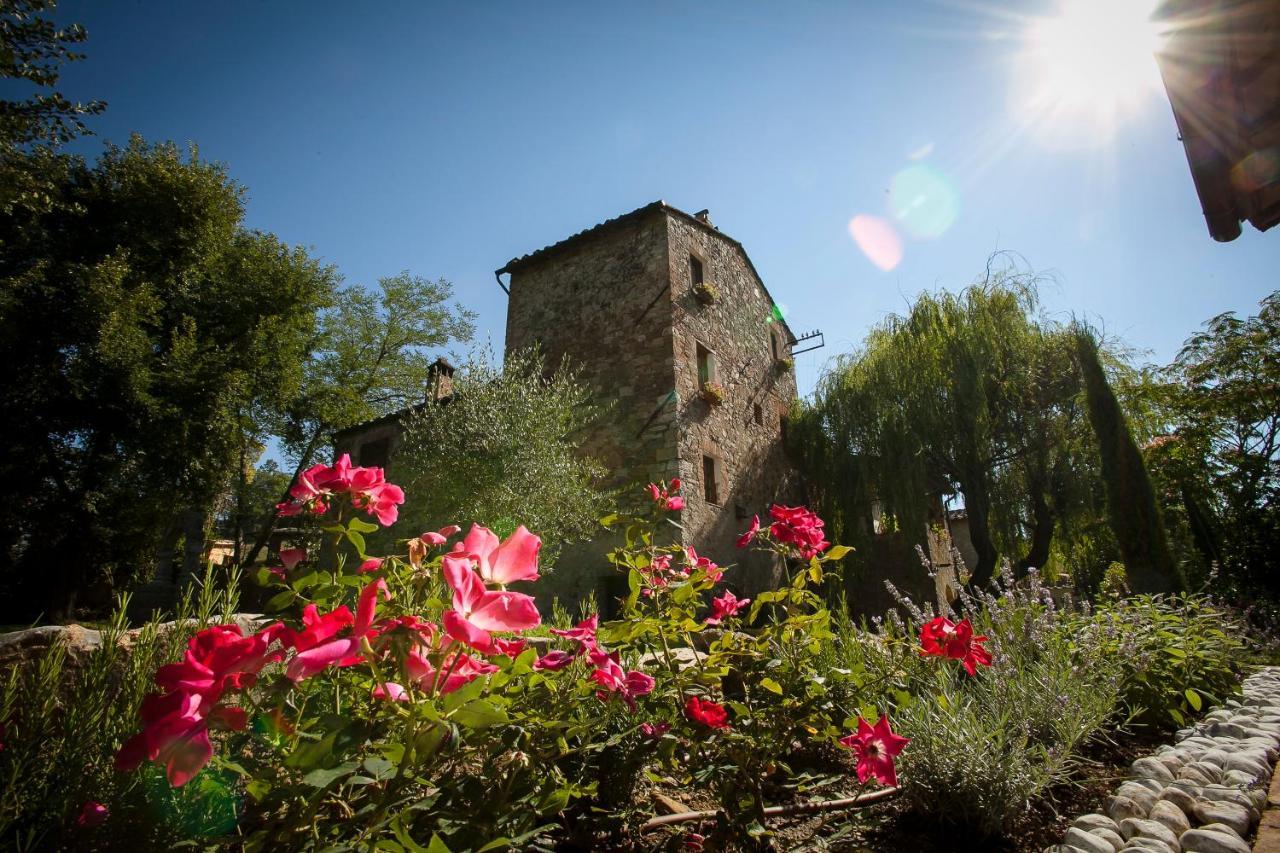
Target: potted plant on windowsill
[
  {"x": 706, "y": 293},
  {"x": 785, "y": 363},
  {"x": 713, "y": 393}
]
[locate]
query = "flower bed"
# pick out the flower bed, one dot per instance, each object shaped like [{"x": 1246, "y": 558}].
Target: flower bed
[{"x": 403, "y": 701}]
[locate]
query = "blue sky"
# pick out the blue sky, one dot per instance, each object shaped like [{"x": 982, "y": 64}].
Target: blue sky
[{"x": 446, "y": 138}]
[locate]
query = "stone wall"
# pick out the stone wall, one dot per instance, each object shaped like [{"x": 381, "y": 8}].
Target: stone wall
[
  {"x": 743, "y": 333},
  {"x": 605, "y": 302}
]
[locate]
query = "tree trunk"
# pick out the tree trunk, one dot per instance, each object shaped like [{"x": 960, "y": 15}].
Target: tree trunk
[
  {"x": 195, "y": 522},
  {"x": 1204, "y": 527},
  {"x": 977, "y": 504},
  {"x": 1042, "y": 524}
]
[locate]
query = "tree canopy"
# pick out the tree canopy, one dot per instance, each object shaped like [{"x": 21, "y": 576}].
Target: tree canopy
[
  {"x": 502, "y": 451},
  {"x": 974, "y": 394},
  {"x": 136, "y": 314}
]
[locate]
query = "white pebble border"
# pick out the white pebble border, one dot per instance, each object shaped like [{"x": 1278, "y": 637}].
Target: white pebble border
[{"x": 1205, "y": 794}]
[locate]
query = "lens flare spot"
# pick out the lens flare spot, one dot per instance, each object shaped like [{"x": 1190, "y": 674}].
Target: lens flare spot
[
  {"x": 921, "y": 152},
  {"x": 1260, "y": 169},
  {"x": 924, "y": 201},
  {"x": 877, "y": 239}
]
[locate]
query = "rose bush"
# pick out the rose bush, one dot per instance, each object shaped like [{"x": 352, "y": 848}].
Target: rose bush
[{"x": 401, "y": 700}]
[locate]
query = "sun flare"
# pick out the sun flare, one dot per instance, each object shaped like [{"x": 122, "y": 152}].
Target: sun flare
[{"x": 1085, "y": 68}]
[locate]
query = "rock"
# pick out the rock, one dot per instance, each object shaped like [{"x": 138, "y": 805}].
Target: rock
[
  {"x": 1151, "y": 768},
  {"x": 1155, "y": 786},
  {"x": 1237, "y": 778},
  {"x": 1082, "y": 840},
  {"x": 1148, "y": 829},
  {"x": 1112, "y": 838},
  {"x": 1216, "y": 757},
  {"x": 1223, "y": 828},
  {"x": 1227, "y": 795},
  {"x": 1249, "y": 765},
  {"x": 1233, "y": 815},
  {"x": 1232, "y": 730},
  {"x": 1180, "y": 797},
  {"x": 1170, "y": 815},
  {"x": 1192, "y": 773},
  {"x": 1208, "y": 841},
  {"x": 1140, "y": 794},
  {"x": 1122, "y": 808},
  {"x": 1090, "y": 822},
  {"x": 32, "y": 643},
  {"x": 1151, "y": 844}
]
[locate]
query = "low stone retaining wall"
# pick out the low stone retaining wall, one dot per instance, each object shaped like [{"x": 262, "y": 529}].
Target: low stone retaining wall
[{"x": 1204, "y": 794}]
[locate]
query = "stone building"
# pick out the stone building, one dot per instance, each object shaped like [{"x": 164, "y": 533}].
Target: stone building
[
  {"x": 673, "y": 327},
  {"x": 375, "y": 442}
]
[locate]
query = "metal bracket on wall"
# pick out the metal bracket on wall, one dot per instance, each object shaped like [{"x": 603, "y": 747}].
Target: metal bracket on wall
[{"x": 822, "y": 342}]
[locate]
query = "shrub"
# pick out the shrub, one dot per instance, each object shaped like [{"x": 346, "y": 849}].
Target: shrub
[
  {"x": 1178, "y": 654},
  {"x": 420, "y": 721},
  {"x": 713, "y": 393},
  {"x": 60, "y": 725},
  {"x": 984, "y": 747}
]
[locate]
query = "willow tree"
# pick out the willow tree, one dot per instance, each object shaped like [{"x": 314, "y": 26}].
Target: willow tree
[{"x": 966, "y": 393}]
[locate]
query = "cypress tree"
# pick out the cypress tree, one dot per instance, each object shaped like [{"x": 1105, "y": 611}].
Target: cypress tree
[{"x": 1131, "y": 501}]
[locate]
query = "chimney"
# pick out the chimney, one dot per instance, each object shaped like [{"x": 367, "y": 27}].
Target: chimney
[
  {"x": 439, "y": 380},
  {"x": 704, "y": 215}
]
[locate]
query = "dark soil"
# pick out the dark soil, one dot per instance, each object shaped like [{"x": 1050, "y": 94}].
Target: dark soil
[{"x": 889, "y": 827}]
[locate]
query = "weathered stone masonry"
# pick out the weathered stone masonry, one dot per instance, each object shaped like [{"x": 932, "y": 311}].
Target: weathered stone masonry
[{"x": 619, "y": 300}]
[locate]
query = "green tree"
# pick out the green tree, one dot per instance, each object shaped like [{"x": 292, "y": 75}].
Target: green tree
[
  {"x": 966, "y": 393},
  {"x": 137, "y": 317},
  {"x": 33, "y": 50},
  {"x": 370, "y": 357},
  {"x": 1220, "y": 446},
  {"x": 504, "y": 451},
  {"x": 1131, "y": 501}
]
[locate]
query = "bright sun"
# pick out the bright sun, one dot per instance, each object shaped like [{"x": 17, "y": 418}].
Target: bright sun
[{"x": 1084, "y": 68}]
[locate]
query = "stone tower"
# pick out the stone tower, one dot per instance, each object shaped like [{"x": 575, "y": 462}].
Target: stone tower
[{"x": 623, "y": 301}]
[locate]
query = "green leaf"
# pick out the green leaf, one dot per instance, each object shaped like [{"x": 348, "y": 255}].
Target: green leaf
[
  {"x": 379, "y": 768},
  {"x": 1193, "y": 699},
  {"x": 437, "y": 846},
  {"x": 771, "y": 685},
  {"x": 496, "y": 844},
  {"x": 554, "y": 802},
  {"x": 322, "y": 778},
  {"x": 634, "y": 582},
  {"x": 480, "y": 714},
  {"x": 279, "y": 601},
  {"x": 837, "y": 552},
  {"x": 357, "y": 540},
  {"x": 361, "y": 526}
]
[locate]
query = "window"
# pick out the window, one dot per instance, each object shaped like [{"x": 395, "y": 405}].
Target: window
[
  {"x": 757, "y": 414},
  {"x": 375, "y": 453},
  {"x": 782, "y": 429},
  {"x": 706, "y": 366},
  {"x": 695, "y": 270},
  {"x": 711, "y": 479},
  {"x": 773, "y": 345}
]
